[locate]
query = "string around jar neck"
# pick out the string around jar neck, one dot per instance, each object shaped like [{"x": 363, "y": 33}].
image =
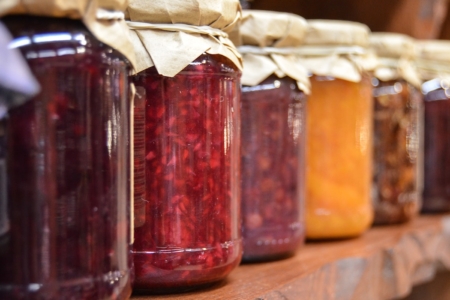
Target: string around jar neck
[
  {"x": 304, "y": 50},
  {"x": 204, "y": 29}
]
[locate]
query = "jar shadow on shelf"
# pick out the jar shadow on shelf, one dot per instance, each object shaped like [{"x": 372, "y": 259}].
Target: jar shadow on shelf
[{"x": 187, "y": 291}]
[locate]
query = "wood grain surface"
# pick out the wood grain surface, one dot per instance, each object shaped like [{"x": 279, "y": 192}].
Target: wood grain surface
[{"x": 384, "y": 263}]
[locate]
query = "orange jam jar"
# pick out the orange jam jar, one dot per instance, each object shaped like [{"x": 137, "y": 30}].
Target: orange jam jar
[{"x": 338, "y": 130}]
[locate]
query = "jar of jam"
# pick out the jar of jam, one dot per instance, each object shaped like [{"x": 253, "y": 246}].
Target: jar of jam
[
  {"x": 67, "y": 166},
  {"x": 434, "y": 67},
  {"x": 17, "y": 85},
  {"x": 273, "y": 135},
  {"x": 189, "y": 233},
  {"x": 338, "y": 130},
  {"x": 397, "y": 121}
]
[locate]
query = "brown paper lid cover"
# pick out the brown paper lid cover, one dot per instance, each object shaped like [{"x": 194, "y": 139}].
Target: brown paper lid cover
[{"x": 104, "y": 18}]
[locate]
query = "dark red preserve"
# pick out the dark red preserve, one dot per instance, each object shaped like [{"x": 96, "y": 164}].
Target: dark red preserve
[
  {"x": 67, "y": 168},
  {"x": 436, "y": 195},
  {"x": 273, "y": 149},
  {"x": 191, "y": 233}
]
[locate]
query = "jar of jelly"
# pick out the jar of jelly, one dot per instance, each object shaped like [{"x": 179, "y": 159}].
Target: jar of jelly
[
  {"x": 338, "y": 130},
  {"x": 273, "y": 135},
  {"x": 397, "y": 192},
  {"x": 434, "y": 67},
  {"x": 188, "y": 235},
  {"x": 17, "y": 85},
  {"x": 67, "y": 167}
]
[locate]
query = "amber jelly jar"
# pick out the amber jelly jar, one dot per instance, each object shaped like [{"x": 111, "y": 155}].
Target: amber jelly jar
[
  {"x": 190, "y": 234},
  {"x": 339, "y": 157},
  {"x": 67, "y": 168}
]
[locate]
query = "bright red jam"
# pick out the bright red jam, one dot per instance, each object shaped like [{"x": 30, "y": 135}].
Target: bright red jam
[
  {"x": 67, "y": 169},
  {"x": 191, "y": 235}
]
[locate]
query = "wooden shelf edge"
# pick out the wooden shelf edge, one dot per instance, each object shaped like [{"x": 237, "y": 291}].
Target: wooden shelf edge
[{"x": 385, "y": 263}]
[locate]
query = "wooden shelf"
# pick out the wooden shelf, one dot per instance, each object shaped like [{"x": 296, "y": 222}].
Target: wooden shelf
[{"x": 385, "y": 263}]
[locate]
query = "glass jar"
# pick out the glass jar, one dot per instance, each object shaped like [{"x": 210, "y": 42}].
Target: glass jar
[
  {"x": 191, "y": 232},
  {"x": 339, "y": 130},
  {"x": 433, "y": 64},
  {"x": 436, "y": 194},
  {"x": 339, "y": 157},
  {"x": 397, "y": 193},
  {"x": 273, "y": 148},
  {"x": 67, "y": 168}
]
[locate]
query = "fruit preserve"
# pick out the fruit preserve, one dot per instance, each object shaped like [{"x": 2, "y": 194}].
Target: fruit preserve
[
  {"x": 398, "y": 122},
  {"x": 67, "y": 168},
  {"x": 191, "y": 233},
  {"x": 397, "y": 195},
  {"x": 434, "y": 67},
  {"x": 339, "y": 157},
  {"x": 436, "y": 195},
  {"x": 273, "y": 148},
  {"x": 338, "y": 130}
]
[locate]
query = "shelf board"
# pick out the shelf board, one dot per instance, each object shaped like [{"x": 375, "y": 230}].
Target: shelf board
[{"x": 384, "y": 263}]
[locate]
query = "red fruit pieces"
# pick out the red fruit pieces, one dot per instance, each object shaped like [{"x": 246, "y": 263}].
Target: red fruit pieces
[
  {"x": 273, "y": 148},
  {"x": 191, "y": 170}
]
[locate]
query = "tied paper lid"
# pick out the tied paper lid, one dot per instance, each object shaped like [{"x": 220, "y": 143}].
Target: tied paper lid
[
  {"x": 337, "y": 48},
  {"x": 396, "y": 55},
  {"x": 268, "y": 42},
  {"x": 337, "y": 33},
  {"x": 170, "y": 34},
  {"x": 104, "y": 18},
  {"x": 433, "y": 59}
]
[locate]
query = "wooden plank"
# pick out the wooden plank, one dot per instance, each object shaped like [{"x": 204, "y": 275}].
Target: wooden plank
[
  {"x": 384, "y": 263},
  {"x": 438, "y": 289}
]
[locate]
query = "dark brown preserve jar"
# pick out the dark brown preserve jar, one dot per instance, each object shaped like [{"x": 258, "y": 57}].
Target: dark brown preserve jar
[
  {"x": 397, "y": 130},
  {"x": 67, "y": 168},
  {"x": 434, "y": 67}
]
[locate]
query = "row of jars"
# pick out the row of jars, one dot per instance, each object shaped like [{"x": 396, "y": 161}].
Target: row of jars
[{"x": 192, "y": 168}]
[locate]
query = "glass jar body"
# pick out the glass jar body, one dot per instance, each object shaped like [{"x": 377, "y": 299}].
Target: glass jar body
[
  {"x": 436, "y": 194},
  {"x": 190, "y": 235},
  {"x": 273, "y": 149},
  {"x": 67, "y": 168},
  {"x": 339, "y": 158},
  {"x": 397, "y": 138}
]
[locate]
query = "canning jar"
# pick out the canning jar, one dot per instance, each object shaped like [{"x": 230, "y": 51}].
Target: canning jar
[
  {"x": 273, "y": 135},
  {"x": 434, "y": 67},
  {"x": 190, "y": 232},
  {"x": 398, "y": 118},
  {"x": 17, "y": 85},
  {"x": 67, "y": 168},
  {"x": 338, "y": 130}
]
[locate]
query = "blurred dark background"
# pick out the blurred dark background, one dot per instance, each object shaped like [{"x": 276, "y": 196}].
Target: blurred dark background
[{"x": 423, "y": 19}]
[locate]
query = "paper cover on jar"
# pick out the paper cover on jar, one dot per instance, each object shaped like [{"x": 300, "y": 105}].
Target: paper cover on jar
[
  {"x": 433, "y": 59},
  {"x": 396, "y": 54},
  {"x": 268, "y": 41},
  {"x": 170, "y": 34},
  {"x": 337, "y": 48},
  {"x": 104, "y": 18}
]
